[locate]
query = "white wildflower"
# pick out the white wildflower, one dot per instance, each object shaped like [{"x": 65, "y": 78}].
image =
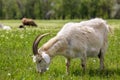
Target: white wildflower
[
  {"x": 2, "y": 35},
  {"x": 30, "y": 68},
  {"x": 9, "y": 74},
  {"x": 94, "y": 60},
  {"x": 6, "y": 37},
  {"x": 21, "y": 36},
  {"x": 7, "y": 32}
]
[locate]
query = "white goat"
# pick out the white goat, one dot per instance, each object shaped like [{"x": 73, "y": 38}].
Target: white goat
[
  {"x": 5, "y": 27},
  {"x": 74, "y": 40}
]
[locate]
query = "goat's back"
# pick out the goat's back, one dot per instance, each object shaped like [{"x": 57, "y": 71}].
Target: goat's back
[{"x": 90, "y": 38}]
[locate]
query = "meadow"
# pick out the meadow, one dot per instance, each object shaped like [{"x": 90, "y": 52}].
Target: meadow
[{"x": 16, "y": 51}]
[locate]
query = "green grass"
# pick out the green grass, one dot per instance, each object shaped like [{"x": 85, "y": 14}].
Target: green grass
[{"x": 16, "y": 51}]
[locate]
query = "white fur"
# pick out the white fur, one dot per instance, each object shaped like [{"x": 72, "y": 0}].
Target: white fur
[
  {"x": 79, "y": 40},
  {"x": 6, "y": 27},
  {"x": 45, "y": 56}
]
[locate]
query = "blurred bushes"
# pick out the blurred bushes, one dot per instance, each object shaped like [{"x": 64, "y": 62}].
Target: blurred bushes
[{"x": 55, "y": 9}]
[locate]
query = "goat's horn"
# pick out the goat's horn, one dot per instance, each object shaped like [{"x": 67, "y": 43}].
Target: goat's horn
[{"x": 36, "y": 42}]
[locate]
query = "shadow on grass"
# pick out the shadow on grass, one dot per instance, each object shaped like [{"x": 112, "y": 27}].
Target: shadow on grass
[{"x": 97, "y": 72}]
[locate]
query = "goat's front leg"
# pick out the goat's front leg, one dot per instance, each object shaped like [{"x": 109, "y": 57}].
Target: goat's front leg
[{"x": 67, "y": 65}]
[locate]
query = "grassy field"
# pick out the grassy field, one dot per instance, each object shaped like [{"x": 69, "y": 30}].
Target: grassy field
[{"x": 16, "y": 51}]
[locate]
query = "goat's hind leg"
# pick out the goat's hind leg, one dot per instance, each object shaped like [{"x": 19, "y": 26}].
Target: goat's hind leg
[
  {"x": 67, "y": 65},
  {"x": 101, "y": 57},
  {"x": 83, "y": 62}
]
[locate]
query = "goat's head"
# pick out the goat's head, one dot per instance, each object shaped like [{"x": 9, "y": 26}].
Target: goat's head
[{"x": 40, "y": 57}]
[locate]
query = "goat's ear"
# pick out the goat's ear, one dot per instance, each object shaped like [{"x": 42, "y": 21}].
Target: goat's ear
[
  {"x": 46, "y": 57},
  {"x": 45, "y": 48},
  {"x": 39, "y": 50}
]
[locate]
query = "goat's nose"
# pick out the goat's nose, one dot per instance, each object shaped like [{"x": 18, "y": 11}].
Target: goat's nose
[
  {"x": 39, "y": 71},
  {"x": 43, "y": 70}
]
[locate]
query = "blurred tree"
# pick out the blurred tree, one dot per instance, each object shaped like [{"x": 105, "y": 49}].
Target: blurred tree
[
  {"x": 1, "y": 9},
  {"x": 116, "y": 9},
  {"x": 70, "y": 9},
  {"x": 21, "y": 7},
  {"x": 55, "y": 9},
  {"x": 29, "y": 9},
  {"x": 43, "y": 7}
]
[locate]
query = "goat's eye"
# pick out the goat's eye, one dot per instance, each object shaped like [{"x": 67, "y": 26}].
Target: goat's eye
[{"x": 39, "y": 61}]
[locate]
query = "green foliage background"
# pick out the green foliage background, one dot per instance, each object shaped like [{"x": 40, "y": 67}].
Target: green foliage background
[{"x": 55, "y": 9}]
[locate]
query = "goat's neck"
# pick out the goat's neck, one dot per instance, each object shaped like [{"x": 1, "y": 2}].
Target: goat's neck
[{"x": 58, "y": 48}]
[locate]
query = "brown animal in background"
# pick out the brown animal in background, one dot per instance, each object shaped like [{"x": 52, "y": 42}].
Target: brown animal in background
[{"x": 28, "y": 22}]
